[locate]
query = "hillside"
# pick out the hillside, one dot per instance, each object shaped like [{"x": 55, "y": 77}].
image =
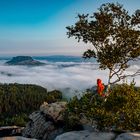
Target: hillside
[{"x": 17, "y": 101}]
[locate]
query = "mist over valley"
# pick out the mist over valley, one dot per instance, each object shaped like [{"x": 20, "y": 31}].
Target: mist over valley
[{"x": 71, "y": 75}]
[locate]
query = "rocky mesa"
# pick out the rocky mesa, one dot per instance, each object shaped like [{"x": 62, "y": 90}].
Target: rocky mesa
[{"x": 24, "y": 60}]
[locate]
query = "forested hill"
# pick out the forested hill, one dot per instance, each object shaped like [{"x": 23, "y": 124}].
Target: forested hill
[{"x": 17, "y": 101}]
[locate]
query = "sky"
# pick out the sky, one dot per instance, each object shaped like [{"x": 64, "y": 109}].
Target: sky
[{"x": 37, "y": 27}]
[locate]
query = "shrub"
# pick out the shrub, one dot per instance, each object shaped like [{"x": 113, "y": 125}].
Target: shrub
[
  {"x": 124, "y": 105},
  {"x": 54, "y": 96},
  {"x": 121, "y": 110},
  {"x": 87, "y": 106}
]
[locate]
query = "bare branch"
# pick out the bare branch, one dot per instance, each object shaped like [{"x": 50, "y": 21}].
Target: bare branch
[
  {"x": 121, "y": 69},
  {"x": 124, "y": 76}
]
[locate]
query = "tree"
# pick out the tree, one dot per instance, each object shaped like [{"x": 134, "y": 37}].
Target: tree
[{"x": 115, "y": 36}]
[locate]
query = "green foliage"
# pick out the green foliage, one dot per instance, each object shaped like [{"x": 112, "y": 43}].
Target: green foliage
[
  {"x": 87, "y": 105},
  {"x": 54, "y": 96},
  {"x": 121, "y": 110},
  {"x": 114, "y": 34},
  {"x": 124, "y": 105},
  {"x": 19, "y": 120},
  {"x": 17, "y": 101}
]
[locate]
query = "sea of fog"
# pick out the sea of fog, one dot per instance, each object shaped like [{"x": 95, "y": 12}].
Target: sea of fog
[{"x": 72, "y": 75}]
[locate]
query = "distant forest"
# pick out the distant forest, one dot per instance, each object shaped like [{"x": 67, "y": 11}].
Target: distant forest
[{"x": 17, "y": 101}]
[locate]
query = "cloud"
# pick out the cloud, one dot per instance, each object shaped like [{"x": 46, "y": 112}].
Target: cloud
[{"x": 68, "y": 76}]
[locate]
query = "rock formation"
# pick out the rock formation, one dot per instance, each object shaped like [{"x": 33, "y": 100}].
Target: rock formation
[
  {"x": 10, "y": 131},
  {"x": 90, "y": 135},
  {"x": 86, "y": 135},
  {"x": 43, "y": 124},
  {"x": 47, "y": 124},
  {"x": 24, "y": 60},
  {"x": 54, "y": 110},
  {"x": 15, "y": 138},
  {"x": 129, "y": 136}
]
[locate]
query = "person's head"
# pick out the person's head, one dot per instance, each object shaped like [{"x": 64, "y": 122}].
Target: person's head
[{"x": 99, "y": 81}]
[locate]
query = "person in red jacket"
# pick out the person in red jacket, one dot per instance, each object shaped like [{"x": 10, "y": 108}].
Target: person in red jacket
[{"x": 100, "y": 87}]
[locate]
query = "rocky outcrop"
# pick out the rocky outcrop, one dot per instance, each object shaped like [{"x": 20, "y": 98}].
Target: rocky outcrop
[
  {"x": 43, "y": 124},
  {"x": 10, "y": 131},
  {"x": 24, "y": 60},
  {"x": 54, "y": 110},
  {"x": 90, "y": 135},
  {"x": 15, "y": 138},
  {"x": 129, "y": 136},
  {"x": 48, "y": 123},
  {"x": 86, "y": 135}
]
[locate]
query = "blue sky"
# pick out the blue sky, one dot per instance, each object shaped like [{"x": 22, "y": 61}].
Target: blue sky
[{"x": 37, "y": 27}]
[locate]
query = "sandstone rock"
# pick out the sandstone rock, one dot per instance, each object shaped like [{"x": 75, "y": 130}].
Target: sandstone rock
[
  {"x": 43, "y": 124},
  {"x": 15, "y": 138},
  {"x": 10, "y": 131},
  {"x": 51, "y": 135},
  {"x": 38, "y": 126},
  {"x": 54, "y": 110},
  {"x": 86, "y": 135},
  {"x": 129, "y": 136},
  {"x": 88, "y": 124}
]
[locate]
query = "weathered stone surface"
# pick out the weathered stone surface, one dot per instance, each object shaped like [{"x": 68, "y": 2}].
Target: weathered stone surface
[
  {"x": 38, "y": 126},
  {"x": 54, "y": 110},
  {"x": 43, "y": 124},
  {"x": 86, "y": 135},
  {"x": 15, "y": 138},
  {"x": 88, "y": 124},
  {"x": 47, "y": 124},
  {"x": 51, "y": 135},
  {"x": 10, "y": 131},
  {"x": 129, "y": 136}
]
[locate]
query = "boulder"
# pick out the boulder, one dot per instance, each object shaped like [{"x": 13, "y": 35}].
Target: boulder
[
  {"x": 88, "y": 124},
  {"x": 38, "y": 126},
  {"x": 54, "y": 110},
  {"x": 129, "y": 136},
  {"x": 43, "y": 124},
  {"x": 86, "y": 135}
]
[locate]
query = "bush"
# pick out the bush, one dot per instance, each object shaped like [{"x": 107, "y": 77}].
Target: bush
[
  {"x": 54, "y": 96},
  {"x": 87, "y": 106},
  {"x": 121, "y": 110},
  {"x": 19, "y": 120},
  {"x": 124, "y": 105}
]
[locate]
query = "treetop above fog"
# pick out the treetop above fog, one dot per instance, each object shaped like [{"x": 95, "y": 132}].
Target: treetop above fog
[{"x": 114, "y": 34}]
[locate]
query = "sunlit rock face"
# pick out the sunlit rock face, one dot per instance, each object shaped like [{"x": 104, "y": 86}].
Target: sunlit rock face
[
  {"x": 129, "y": 136},
  {"x": 43, "y": 124},
  {"x": 16, "y": 138}
]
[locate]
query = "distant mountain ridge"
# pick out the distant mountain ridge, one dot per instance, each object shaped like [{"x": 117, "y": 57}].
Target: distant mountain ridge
[
  {"x": 63, "y": 58},
  {"x": 24, "y": 60},
  {"x": 53, "y": 58}
]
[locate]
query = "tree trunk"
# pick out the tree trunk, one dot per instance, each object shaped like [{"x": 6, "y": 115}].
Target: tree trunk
[{"x": 108, "y": 84}]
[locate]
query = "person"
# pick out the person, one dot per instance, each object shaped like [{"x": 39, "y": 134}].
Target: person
[{"x": 100, "y": 87}]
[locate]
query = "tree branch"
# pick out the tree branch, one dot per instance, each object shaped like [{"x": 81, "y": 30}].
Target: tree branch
[{"x": 124, "y": 76}]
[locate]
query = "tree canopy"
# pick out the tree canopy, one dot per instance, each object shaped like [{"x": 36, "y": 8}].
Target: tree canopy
[
  {"x": 17, "y": 101},
  {"x": 115, "y": 36}
]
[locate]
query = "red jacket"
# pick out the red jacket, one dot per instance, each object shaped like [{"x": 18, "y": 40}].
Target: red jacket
[{"x": 100, "y": 87}]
